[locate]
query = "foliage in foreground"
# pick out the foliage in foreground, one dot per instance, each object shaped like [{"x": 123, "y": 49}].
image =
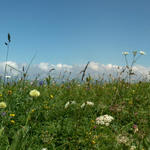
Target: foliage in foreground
[{"x": 71, "y": 116}]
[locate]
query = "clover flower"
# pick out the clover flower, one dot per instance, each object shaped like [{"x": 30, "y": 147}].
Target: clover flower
[
  {"x": 34, "y": 93},
  {"x": 82, "y": 105},
  {"x": 3, "y": 105},
  {"x": 104, "y": 120}
]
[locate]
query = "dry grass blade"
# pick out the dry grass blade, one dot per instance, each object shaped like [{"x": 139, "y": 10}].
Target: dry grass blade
[{"x": 84, "y": 70}]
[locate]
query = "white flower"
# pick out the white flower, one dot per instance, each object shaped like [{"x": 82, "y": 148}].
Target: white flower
[
  {"x": 125, "y": 53},
  {"x": 34, "y": 93},
  {"x": 122, "y": 139},
  {"x": 133, "y": 147},
  {"x": 67, "y": 104},
  {"x": 90, "y": 103},
  {"x": 142, "y": 53},
  {"x": 7, "y": 77},
  {"x": 3, "y": 105},
  {"x": 73, "y": 102},
  {"x": 70, "y": 103},
  {"x": 44, "y": 149},
  {"x": 82, "y": 105},
  {"x": 104, "y": 120}
]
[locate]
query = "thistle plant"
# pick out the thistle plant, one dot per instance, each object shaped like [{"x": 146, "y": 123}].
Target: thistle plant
[{"x": 129, "y": 67}]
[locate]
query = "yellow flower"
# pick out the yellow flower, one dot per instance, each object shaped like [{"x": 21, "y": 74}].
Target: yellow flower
[
  {"x": 1, "y": 95},
  {"x": 92, "y": 121},
  {"x": 34, "y": 93},
  {"x": 9, "y": 92},
  {"x": 3, "y": 105},
  {"x": 130, "y": 102},
  {"x": 12, "y": 115},
  {"x": 51, "y": 96},
  {"x": 93, "y": 142},
  {"x": 12, "y": 121},
  {"x": 33, "y": 110}
]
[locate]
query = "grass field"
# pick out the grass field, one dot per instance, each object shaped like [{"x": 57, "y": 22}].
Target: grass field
[
  {"x": 67, "y": 116},
  {"x": 87, "y": 115}
]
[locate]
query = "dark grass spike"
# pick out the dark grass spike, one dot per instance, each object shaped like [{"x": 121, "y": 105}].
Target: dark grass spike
[
  {"x": 84, "y": 70},
  {"x": 9, "y": 38},
  {"x": 51, "y": 69}
]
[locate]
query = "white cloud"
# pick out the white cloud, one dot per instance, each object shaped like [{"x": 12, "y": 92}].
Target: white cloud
[
  {"x": 44, "y": 66},
  {"x": 95, "y": 69},
  {"x": 94, "y": 66}
]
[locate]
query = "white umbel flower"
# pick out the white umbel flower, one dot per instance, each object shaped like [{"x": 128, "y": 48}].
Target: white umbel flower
[
  {"x": 125, "y": 53},
  {"x": 104, "y": 120},
  {"x": 133, "y": 147},
  {"x": 142, "y": 53}
]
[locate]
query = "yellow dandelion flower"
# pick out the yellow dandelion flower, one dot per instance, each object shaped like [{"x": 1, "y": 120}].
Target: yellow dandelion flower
[
  {"x": 3, "y": 105},
  {"x": 12, "y": 115},
  {"x": 12, "y": 121},
  {"x": 51, "y": 96}
]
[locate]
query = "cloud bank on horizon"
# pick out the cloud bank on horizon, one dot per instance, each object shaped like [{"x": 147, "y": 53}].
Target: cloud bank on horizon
[{"x": 94, "y": 69}]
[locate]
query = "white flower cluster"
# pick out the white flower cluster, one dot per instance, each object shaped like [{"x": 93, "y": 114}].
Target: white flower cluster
[
  {"x": 132, "y": 147},
  {"x": 69, "y": 103},
  {"x": 104, "y": 120},
  {"x": 87, "y": 103},
  {"x": 122, "y": 139},
  {"x": 134, "y": 53}
]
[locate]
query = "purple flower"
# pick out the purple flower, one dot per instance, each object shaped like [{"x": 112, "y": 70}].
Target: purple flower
[
  {"x": 41, "y": 82},
  {"x": 3, "y": 113}
]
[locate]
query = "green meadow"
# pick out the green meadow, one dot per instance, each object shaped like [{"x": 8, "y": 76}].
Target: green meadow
[
  {"x": 87, "y": 115},
  {"x": 65, "y": 116}
]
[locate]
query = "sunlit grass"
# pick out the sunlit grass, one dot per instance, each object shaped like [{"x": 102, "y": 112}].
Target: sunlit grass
[
  {"x": 86, "y": 115},
  {"x": 43, "y": 121}
]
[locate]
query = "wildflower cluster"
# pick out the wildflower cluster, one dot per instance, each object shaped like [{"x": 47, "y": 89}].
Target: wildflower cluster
[
  {"x": 87, "y": 103},
  {"x": 104, "y": 120},
  {"x": 69, "y": 103}
]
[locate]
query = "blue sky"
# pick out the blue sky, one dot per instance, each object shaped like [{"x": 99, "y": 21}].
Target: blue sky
[{"x": 75, "y": 31}]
